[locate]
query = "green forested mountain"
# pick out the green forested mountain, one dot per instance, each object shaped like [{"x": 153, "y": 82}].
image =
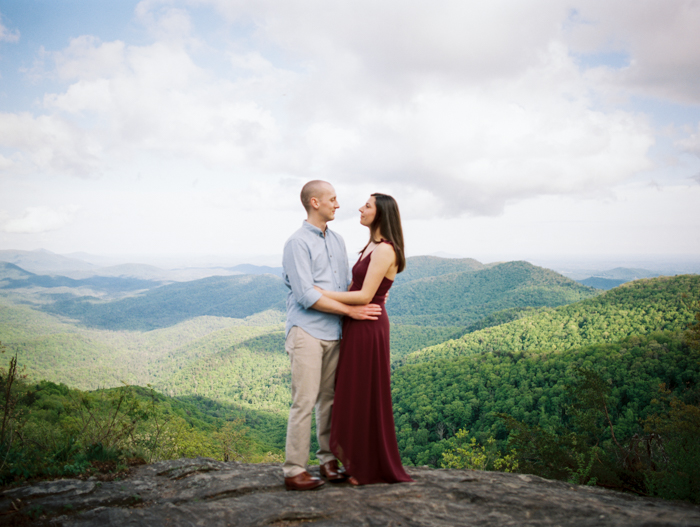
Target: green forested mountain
[
  {"x": 630, "y": 335},
  {"x": 229, "y": 360},
  {"x": 243, "y": 361},
  {"x": 223, "y": 296},
  {"x": 156, "y": 338},
  {"x": 461, "y": 299},
  {"x": 636, "y": 308},
  {"x": 253, "y": 373},
  {"x": 51, "y": 430},
  {"x": 408, "y": 338},
  {"x": 474, "y": 347},
  {"x": 433, "y": 400},
  {"x": 59, "y": 351},
  {"x": 418, "y": 267}
]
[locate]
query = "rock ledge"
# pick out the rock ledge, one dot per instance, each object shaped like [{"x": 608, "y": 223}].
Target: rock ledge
[{"x": 212, "y": 493}]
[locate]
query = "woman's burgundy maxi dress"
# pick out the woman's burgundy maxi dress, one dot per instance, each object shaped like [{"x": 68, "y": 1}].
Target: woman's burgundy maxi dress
[{"x": 363, "y": 437}]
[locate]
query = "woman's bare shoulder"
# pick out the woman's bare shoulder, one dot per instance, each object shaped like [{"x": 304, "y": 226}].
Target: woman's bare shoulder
[{"x": 385, "y": 248}]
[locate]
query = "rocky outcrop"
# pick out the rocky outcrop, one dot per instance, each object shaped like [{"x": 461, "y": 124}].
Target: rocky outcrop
[{"x": 193, "y": 492}]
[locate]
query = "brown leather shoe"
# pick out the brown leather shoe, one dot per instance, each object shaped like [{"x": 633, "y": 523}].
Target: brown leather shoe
[
  {"x": 303, "y": 481},
  {"x": 332, "y": 473}
]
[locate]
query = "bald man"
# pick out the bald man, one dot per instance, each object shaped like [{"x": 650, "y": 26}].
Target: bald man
[{"x": 315, "y": 255}]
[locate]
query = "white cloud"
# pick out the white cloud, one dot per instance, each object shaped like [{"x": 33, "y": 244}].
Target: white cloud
[
  {"x": 691, "y": 143},
  {"x": 7, "y": 35},
  {"x": 49, "y": 143},
  {"x": 39, "y": 219},
  {"x": 456, "y": 107},
  {"x": 156, "y": 99},
  {"x": 390, "y": 38},
  {"x": 87, "y": 58},
  {"x": 477, "y": 146},
  {"x": 661, "y": 38},
  {"x": 5, "y": 163},
  {"x": 476, "y": 104},
  {"x": 165, "y": 22}
]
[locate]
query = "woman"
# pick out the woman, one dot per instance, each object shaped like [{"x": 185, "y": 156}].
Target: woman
[{"x": 362, "y": 425}]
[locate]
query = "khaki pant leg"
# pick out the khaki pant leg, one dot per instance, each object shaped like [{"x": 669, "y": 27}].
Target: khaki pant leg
[
  {"x": 306, "y": 355},
  {"x": 324, "y": 406}
]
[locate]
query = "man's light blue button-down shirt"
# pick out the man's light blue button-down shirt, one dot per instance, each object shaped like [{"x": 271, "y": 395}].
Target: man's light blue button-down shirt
[{"x": 312, "y": 258}]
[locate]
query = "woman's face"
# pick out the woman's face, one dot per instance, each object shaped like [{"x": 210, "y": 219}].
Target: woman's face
[{"x": 367, "y": 212}]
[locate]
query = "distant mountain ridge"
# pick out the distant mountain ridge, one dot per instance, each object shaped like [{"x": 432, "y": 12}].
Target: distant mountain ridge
[
  {"x": 237, "y": 296},
  {"x": 614, "y": 277},
  {"x": 431, "y": 294},
  {"x": 43, "y": 262},
  {"x": 625, "y": 273},
  {"x": 14, "y": 277},
  {"x": 601, "y": 283},
  {"x": 256, "y": 269},
  {"x": 10, "y": 271}
]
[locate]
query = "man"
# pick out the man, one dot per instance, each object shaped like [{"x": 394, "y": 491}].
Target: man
[{"x": 314, "y": 255}]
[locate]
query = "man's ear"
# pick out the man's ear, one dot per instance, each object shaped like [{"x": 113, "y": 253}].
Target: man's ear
[{"x": 314, "y": 203}]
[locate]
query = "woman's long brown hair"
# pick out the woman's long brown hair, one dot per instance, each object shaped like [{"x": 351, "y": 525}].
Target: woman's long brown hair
[{"x": 387, "y": 223}]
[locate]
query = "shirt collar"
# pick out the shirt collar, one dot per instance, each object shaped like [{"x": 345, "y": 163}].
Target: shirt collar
[{"x": 318, "y": 232}]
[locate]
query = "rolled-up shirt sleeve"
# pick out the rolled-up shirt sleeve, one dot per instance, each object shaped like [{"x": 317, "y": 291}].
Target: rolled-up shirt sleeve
[{"x": 297, "y": 266}]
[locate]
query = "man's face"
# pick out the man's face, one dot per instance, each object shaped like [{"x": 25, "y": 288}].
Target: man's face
[{"x": 327, "y": 203}]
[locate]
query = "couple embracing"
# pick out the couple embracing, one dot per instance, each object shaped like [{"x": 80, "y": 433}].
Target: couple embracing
[{"x": 347, "y": 381}]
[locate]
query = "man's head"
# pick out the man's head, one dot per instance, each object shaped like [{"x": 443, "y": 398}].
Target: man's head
[{"x": 319, "y": 200}]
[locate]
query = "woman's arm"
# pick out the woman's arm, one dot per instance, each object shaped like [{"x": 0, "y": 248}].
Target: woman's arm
[{"x": 383, "y": 258}]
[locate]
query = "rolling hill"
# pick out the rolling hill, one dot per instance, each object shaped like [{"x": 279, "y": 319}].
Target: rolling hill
[
  {"x": 461, "y": 299},
  {"x": 57, "y": 350},
  {"x": 635, "y": 308}
]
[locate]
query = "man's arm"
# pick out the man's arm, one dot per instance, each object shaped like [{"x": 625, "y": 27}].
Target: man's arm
[
  {"x": 296, "y": 262},
  {"x": 365, "y": 312}
]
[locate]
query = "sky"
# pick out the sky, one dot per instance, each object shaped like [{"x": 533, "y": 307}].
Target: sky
[{"x": 506, "y": 130}]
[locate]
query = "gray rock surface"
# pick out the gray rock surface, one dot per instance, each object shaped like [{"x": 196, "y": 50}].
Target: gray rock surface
[{"x": 194, "y": 492}]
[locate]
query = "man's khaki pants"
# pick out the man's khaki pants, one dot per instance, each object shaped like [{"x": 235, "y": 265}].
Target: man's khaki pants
[{"x": 313, "y": 385}]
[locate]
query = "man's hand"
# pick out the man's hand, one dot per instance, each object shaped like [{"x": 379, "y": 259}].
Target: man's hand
[{"x": 366, "y": 312}]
